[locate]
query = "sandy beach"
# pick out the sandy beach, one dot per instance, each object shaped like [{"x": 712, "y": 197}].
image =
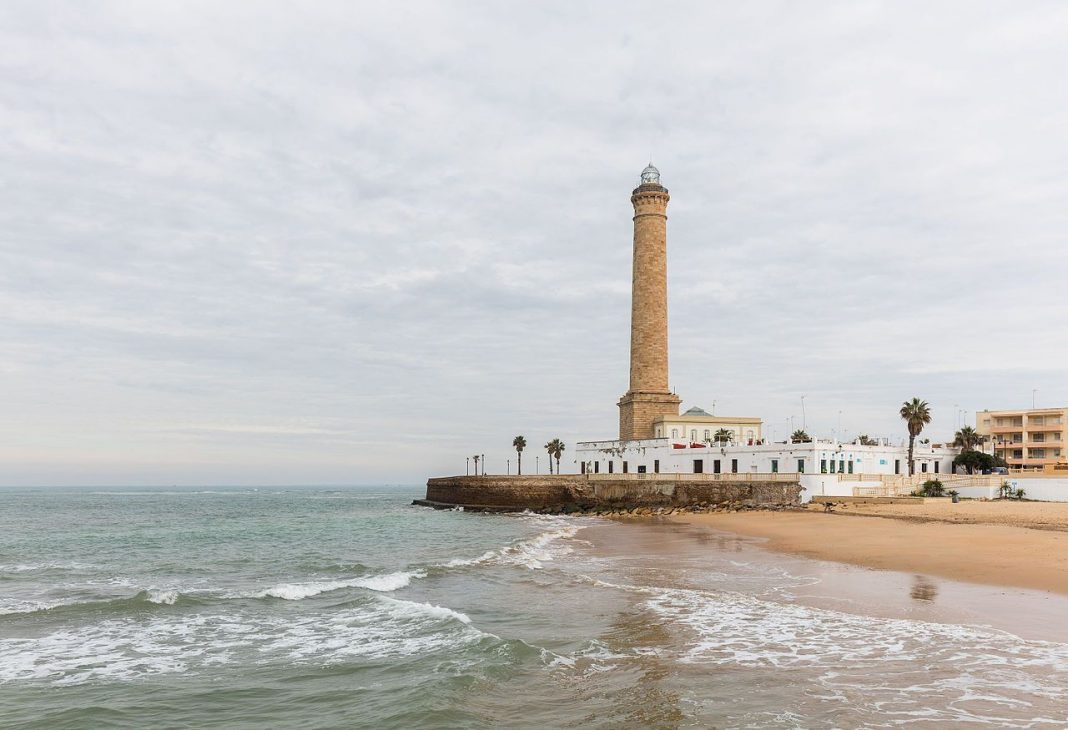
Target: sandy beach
[{"x": 1021, "y": 544}]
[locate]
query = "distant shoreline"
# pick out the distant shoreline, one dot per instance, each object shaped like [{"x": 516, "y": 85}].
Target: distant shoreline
[{"x": 1019, "y": 545}]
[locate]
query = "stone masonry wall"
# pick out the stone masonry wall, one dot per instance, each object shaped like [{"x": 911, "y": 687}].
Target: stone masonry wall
[{"x": 516, "y": 493}]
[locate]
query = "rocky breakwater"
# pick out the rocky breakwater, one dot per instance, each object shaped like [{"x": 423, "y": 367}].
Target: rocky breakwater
[{"x": 609, "y": 493}]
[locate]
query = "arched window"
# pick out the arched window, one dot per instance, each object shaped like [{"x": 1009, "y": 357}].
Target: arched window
[
  {"x": 708, "y": 435},
  {"x": 674, "y": 433},
  {"x": 693, "y": 435}
]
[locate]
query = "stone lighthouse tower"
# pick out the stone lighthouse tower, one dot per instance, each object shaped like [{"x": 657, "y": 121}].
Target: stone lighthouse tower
[{"x": 649, "y": 395}]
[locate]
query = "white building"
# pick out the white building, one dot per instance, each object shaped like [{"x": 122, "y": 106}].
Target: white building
[{"x": 667, "y": 456}]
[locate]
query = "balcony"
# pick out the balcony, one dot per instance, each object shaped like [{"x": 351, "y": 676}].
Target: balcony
[
  {"x": 1033, "y": 462},
  {"x": 1006, "y": 429},
  {"x": 1034, "y": 427}
]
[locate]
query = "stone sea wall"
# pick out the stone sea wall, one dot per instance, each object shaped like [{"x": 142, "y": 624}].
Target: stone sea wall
[{"x": 567, "y": 492}]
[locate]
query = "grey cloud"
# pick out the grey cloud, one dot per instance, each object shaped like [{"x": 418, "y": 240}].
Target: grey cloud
[{"x": 354, "y": 243}]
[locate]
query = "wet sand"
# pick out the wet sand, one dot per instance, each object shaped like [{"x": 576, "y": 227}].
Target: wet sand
[{"x": 993, "y": 543}]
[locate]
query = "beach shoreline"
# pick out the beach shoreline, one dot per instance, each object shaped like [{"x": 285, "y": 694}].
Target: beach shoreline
[{"x": 1021, "y": 545}]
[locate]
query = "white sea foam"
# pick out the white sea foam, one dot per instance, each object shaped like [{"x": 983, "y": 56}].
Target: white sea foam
[
  {"x": 52, "y": 565},
  {"x": 132, "y": 647},
  {"x": 167, "y": 597},
  {"x": 530, "y": 552},
  {"x": 382, "y": 583}
]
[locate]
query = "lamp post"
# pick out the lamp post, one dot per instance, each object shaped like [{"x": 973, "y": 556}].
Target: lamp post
[
  {"x": 537, "y": 465},
  {"x": 804, "y": 421},
  {"x": 483, "y": 465},
  {"x": 468, "y": 470}
]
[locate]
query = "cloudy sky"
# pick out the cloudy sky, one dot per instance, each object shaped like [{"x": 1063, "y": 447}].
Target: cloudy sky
[{"x": 328, "y": 243}]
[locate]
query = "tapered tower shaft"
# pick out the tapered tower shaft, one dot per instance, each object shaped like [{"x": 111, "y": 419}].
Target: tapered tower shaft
[{"x": 649, "y": 395}]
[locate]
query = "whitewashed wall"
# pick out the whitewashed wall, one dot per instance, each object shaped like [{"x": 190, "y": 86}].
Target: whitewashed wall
[
  {"x": 1041, "y": 489},
  {"x": 758, "y": 459}
]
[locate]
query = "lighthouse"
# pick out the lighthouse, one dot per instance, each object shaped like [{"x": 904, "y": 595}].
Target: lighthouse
[{"x": 649, "y": 395}]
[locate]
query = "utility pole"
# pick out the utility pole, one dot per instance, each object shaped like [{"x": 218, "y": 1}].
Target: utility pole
[
  {"x": 468, "y": 471},
  {"x": 537, "y": 465},
  {"x": 804, "y": 422}
]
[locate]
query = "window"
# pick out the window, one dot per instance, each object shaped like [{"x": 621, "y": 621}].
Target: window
[
  {"x": 674, "y": 433},
  {"x": 698, "y": 466},
  {"x": 800, "y": 466},
  {"x": 582, "y": 468},
  {"x": 897, "y": 466},
  {"x": 832, "y": 466},
  {"x": 734, "y": 466},
  {"x": 641, "y": 468},
  {"x": 774, "y": 466},
  {"x": 936, "y": 467},
  {"x": 656, "y": 466},
  {"x": 708, "y": 435},
  {"x": 841, "y": 466},
  {"x": 624, "y": 467},
  {"x": 850, "y": 466},
  {"x": 693, "y": 435},
  {"x": 1017, "y": 453},
  {"x": 715, "y": 466},
  {"x": 823, "y": 466},
  {"x": 923, "y": 466},
  {"x": 596, "y": 467},
  {"x": 610, "y": 465}
]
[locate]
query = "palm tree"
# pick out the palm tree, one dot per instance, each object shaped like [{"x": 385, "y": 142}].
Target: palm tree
[
  {"x": 916, "y": 414},
  {"x": 866, "y": 440},
  {"x": 723, "y": 436},
  {"x": 519, "y": 443},
  {"x": 800, "y": 437},
  {"x": 476, "y": 457},
  {"x": 967, "y": 438},
  {"x": 556, "y": 451}
]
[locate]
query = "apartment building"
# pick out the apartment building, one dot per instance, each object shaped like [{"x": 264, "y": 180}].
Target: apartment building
[{"x": 1026, "y": 439}]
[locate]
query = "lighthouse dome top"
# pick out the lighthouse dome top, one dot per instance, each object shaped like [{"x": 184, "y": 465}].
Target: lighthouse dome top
[{"x": 650, "y": 175}]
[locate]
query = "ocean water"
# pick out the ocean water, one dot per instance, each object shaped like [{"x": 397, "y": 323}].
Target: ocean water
[{"x": 319, "y": 608}]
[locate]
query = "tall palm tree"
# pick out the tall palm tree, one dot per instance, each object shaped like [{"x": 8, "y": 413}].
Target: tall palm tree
[
  {"x": 556, "y": 449},
  {"x": 723, "y": 435},
  {"x": 519, "y": 443},
  {"x": 866, "y": 440},
  {"x": 476, "y": 457},
  {"x": 916, "y": 414},
  {"x": 800, "y": 437},
  {"x": 967, "y": 438}
]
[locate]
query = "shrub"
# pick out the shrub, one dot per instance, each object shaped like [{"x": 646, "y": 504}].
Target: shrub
[{"x": 933, "y": 488}]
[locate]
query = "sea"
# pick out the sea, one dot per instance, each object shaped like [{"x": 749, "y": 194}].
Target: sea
[{"x": 351, "y": 608}]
